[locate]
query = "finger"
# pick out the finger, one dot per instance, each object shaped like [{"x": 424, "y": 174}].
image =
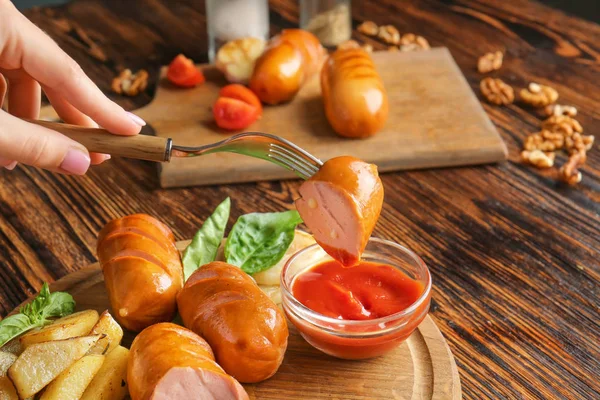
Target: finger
[
  {"x": 43, "y": 59},
  {"x": 24, "y": 97},
  {"x": 3, "y": 89},
  {"x": 41, "y": 147},
  {"x": 71, "y": 115},
  {"x": 66, "y": 111},
  {"x": 99, "y": 158},
  {"x": 8, "y": 164}
]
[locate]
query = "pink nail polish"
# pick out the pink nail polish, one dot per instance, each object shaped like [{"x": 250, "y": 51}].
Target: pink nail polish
[
  {"x": 107, "y": 157},
  {"x": 136, "y": 119},
  {"x": 76, "y": 162},
  {"x": 11, "y": 166}
]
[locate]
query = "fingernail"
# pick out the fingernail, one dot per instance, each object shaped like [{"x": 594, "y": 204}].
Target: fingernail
[
  {"x": 76, "y": 162},
  {"x": 136, "y": 119},
  {"x": 11, "y": 166},
  {"x": 107, "y": 157}
]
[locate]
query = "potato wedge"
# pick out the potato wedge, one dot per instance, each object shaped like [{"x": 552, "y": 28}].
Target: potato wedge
[
  {"x": 71, "y": 384},
  {"x": 6, "y": 360},
  {"x": 40, "y": 363},
  {"x": 7, "y": 389},
  {"x": 110, "y": 383},
  {"x": 114, "y": 333},
  {"x": 77, "y": 324}
]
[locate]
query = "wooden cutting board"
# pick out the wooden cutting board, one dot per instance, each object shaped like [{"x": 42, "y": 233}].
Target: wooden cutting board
[
  {"x": 435, "y": 121},
  {"x": 422, "y": 368}
]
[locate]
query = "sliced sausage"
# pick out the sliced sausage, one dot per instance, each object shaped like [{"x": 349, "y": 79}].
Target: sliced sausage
[
  {"x": 356, "y": 103},
  {"x": 245, "y": 329},
  {"x": 142, "y": 270},
  {"x": 341, "y": 204},
  {"x": 170, "y": 362}
]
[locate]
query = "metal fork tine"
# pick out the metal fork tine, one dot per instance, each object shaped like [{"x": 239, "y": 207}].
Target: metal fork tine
[
  {"x": 260, "y": 145},
  {"x": 290, "y": 164},
  {"x": 297, "y": 158}
]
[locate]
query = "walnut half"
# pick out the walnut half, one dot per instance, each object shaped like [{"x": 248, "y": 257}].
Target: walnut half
[
  {"x": 537, "y": 95},
  {"x": 130, "y": 84},
  {"x": 496, "y": 91},
  {"x": 490, "y": 62}
]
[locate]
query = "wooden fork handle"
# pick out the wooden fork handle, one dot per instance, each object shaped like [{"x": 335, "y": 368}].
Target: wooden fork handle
[{"x": 141, "y": 147}]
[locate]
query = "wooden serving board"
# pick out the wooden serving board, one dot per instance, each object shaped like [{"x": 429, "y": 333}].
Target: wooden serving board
[
  {"x": 421, "y": 368},
  {"x": 435, "y": 121}
]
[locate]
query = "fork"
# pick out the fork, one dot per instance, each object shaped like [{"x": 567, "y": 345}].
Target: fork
[{"x": 143, "y": 147}]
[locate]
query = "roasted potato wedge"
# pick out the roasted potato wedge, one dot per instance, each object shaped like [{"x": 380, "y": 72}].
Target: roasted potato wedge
[
  {"x": 77, "y": 324},
  {"x": 72, "y": 382},
  {"x": 6, "y": 360},
  {"x": 40, "y": 363},
  {"x": 110, "y": 383},
  {"x": 7, "y": 389},
  {"x": 114, "y": 333}
]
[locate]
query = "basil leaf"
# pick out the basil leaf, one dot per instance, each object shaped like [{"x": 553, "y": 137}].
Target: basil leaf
[
  {"x": 258, "y": 241},
  {"x": 206, "y": 242},
  {"x": 58, "y": 305},
  {"x": 13, "y": 326},
  {"x": 36, "y": 313}
]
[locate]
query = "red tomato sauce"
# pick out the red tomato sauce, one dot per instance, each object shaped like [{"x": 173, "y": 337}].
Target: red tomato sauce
[{"x": 365, "y": 291}]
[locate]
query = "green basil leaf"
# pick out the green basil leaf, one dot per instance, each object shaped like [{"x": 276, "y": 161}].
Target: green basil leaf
[
  {"x": 36, "y": 313},
  {"x": 59, "y": 305},
  {"x": 258, "y": 241},
  {"x": 13, "y": 326},
  {"x": 206, "y": 242}
]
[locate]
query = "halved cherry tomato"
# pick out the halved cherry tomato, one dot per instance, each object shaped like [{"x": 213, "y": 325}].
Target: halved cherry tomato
[
  {"x": 183, "y": 73},
  {"x": 241, "y": 92},
  {"x": 233, "y": 114}
]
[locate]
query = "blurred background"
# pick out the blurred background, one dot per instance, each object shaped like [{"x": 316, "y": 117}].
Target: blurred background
[{"x": 588, "y": 9}]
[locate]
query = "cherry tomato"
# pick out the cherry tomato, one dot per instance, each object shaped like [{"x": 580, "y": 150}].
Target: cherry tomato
[
  {"x": 241, "y": 92},
  {"x": 183, "y": 73},
  {"x": 234, "y": 114}
]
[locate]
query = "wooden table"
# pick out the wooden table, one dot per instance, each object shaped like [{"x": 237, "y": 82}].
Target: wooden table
[{"x": 514, "y": 254}]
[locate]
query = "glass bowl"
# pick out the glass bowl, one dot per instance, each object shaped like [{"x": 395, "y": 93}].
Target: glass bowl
[{"x": 353, "y": 339}]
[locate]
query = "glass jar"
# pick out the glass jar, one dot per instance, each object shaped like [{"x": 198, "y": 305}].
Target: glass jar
[
  {"x": 234, "y": 19},
  {"x": 329, "y": 20}
]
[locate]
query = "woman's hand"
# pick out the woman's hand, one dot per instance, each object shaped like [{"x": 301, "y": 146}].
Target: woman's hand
[{"x": 30, "y": 62}]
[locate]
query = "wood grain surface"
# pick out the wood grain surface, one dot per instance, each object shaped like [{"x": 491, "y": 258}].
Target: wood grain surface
[
  {"x": 421, "y": 368},
  {"x": 513, "y": 253},
  {"x": 426, "y": 90}
]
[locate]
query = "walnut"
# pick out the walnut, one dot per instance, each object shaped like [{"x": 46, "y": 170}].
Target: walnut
[
  {"x": 130, "y": 84},
  {"x": 368, "y": 28},
  {"x": 389, "y": 34},
  {"x": 579, "y": 143},
  {"x": 412, "y": 42},
  {"x": 538, "y": 158},
  {"x": 348, "y": 44},
  {"x": 236, "y": 58},
  {"x": 557, "y": 109},
  {"x": 544, "y": 141},
  {"x": 563, "y": 124},
  {"x": 393, "y": 49},
  {"x": 496, "y": 91},
  {"x": 538, "y": 95},
  {"x": 569, "y": 172},
  {"x": 490, "y": 62}
]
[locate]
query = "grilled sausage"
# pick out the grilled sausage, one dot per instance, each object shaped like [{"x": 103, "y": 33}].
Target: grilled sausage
[
  {"x": 245, "y": 329},
  {"x": 142, "y": 270},
  {"x": 355, "y": 99},
  {"x": 170, "y": 362},
  {"x": 341, "y": 204},
  {"x": 290, "y": 59}
]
